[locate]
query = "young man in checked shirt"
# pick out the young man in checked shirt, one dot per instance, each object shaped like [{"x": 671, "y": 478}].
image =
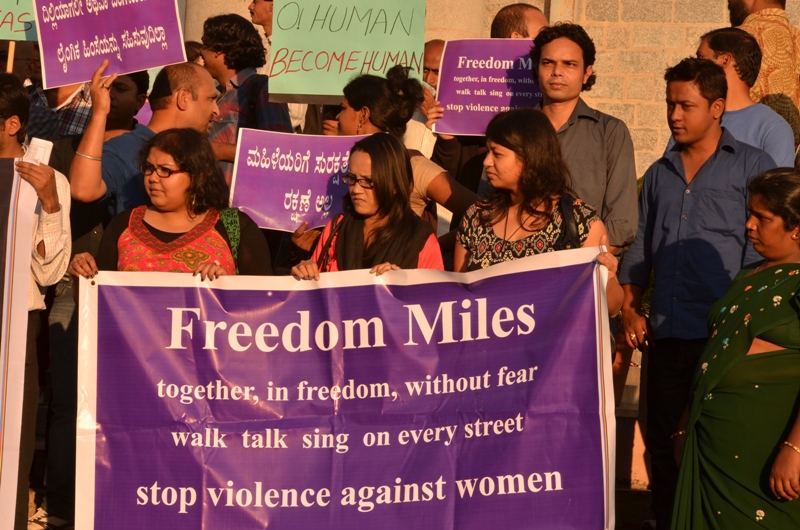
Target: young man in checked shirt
[{"x": 232, "y": 50}]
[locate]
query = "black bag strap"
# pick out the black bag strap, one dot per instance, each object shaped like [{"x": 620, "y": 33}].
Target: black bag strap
[
  {"x": 568, "y": 238},
  {"x": 323, "y": 257}
]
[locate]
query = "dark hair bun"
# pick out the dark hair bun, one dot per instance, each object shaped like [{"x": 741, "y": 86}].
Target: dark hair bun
[
  {"x": 391, "y": 101},
  {"x": 407, "y": 90}
]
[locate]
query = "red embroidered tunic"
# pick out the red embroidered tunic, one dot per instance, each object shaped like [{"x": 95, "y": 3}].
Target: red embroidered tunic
[{"x": 139, "y": 250}]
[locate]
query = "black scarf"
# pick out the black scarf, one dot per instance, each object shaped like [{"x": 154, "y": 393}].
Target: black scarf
[{"x": 401, "y": 251}]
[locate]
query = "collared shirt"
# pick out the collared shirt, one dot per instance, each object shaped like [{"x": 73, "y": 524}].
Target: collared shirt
[
  {"x": 43, "y": 121},
  {"x": 234, "y": 108},
  {"x": 53, "y": 229},
  {"x": 121, "y": 173},
  {"x": 779, "y": 75},
  {"x": 599, "y": 153},
  {"x": 692, "y": 236},
  {"x": 762, "y": 127},
  {"x": 73, "y": 114}
]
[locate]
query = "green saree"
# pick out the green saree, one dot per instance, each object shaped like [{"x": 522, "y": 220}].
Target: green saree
[{"x": 743, "y": 407}]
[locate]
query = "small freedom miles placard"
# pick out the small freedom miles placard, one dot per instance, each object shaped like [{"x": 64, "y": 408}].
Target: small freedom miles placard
[{"x": 479, "y": 78}]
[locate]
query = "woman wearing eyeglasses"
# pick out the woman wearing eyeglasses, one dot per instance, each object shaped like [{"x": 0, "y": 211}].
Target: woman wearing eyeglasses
[
  {"x": 188, "y": 227},
  {"x": 374, "y": 104},
  {"x": 378, "y": 231}
]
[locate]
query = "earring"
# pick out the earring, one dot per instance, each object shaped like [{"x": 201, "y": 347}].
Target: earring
[
  {"x": 358, "y": 129},
  {"x": 796, "y": 236}
]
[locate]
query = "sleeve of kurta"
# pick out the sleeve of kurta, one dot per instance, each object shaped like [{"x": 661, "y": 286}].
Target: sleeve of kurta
[{"x": 430, "y": 257}]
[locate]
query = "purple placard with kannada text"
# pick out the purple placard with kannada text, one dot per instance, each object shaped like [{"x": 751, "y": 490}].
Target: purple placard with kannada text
[
  {"x": 422, "y": 400},
  {"x": 282, "y": 180},
  {"x": 479, "y": 78},
  {"x": 75, "y": 36}
]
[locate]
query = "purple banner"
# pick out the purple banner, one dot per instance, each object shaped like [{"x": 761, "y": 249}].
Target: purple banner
[
  {"x": 282, "y": 180},
  {"x": 76, "y": 35},
  {"x": 479, "y": 78},
  {"x": 418, "y": 399}
]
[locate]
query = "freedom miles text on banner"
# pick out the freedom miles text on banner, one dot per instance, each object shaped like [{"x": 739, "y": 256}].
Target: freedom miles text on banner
[
  {"x": 282, "y": 180},
  {"x": 318, "y": 46},
  {"x": 17, "y": 205},
  {"x": 417, "y": 399},
  {"x": 75, "y": 36},
  {"x": 479, "y": 78}
]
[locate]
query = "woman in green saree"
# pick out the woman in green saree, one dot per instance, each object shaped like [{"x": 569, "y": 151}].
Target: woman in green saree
[{"x": 741, "y": 437}]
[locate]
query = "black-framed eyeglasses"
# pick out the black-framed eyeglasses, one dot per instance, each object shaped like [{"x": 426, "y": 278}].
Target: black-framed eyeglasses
[
  {"x": 163, "y": 172},
  {"x": 352, "y": 180}
]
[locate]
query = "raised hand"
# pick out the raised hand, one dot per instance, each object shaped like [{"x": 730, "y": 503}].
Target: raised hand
[
  {"x": 100, "y": 90},
  {"x": 43, "y": 180}
]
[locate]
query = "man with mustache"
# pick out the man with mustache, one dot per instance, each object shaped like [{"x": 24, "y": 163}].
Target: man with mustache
[{"x": 597, "y": 147}]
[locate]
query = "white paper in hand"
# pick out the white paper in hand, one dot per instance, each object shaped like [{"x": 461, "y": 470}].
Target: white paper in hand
[{"x": 39, "y": 151}]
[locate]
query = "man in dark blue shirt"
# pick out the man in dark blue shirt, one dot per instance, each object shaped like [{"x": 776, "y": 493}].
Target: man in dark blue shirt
[{"x": 691, "y": 236}]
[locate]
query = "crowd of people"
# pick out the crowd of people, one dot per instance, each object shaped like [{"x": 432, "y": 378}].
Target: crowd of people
[{"x": 714, "y": 232}]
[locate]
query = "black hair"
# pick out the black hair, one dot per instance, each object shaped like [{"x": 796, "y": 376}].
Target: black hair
[
  {"x": 545, "y": 175},
  {"x": 779, "y": 191},
  {"x": 171, "y": 79},
  {"x": 511, "y": 19},
  {"x": 14, "y": 102},
  {"x": 192, "y": 48},
  {"x": 707, "y": 75},
  {"x": 742, "y": 46},
  {"x": 392, "y": 178},
  {"x": 570, "y": 31},
  {"x": 193, "y": 154},
  {"x": 141, "y": 80},
  {"x": 237, "y": 38},
  {"x": 391, "y": 100}
]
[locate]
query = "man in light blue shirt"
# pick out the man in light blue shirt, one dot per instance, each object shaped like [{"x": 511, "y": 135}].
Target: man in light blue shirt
[{"x": 738, "y": 53}]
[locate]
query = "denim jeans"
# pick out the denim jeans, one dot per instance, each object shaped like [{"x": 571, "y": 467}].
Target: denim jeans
[
  {"x": 670, "y": 369},
  {"x": 63, "y": 407}
]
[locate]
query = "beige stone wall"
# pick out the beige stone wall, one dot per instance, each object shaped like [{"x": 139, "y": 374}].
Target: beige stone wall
[{"x": 636, "y": 41}]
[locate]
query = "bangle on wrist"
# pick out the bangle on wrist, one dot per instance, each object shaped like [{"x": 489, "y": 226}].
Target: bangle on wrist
[
  {"x": 89, "y": 157},
  {"x": 790, "y": 444},
  {"x": 676, "y": 434}
]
